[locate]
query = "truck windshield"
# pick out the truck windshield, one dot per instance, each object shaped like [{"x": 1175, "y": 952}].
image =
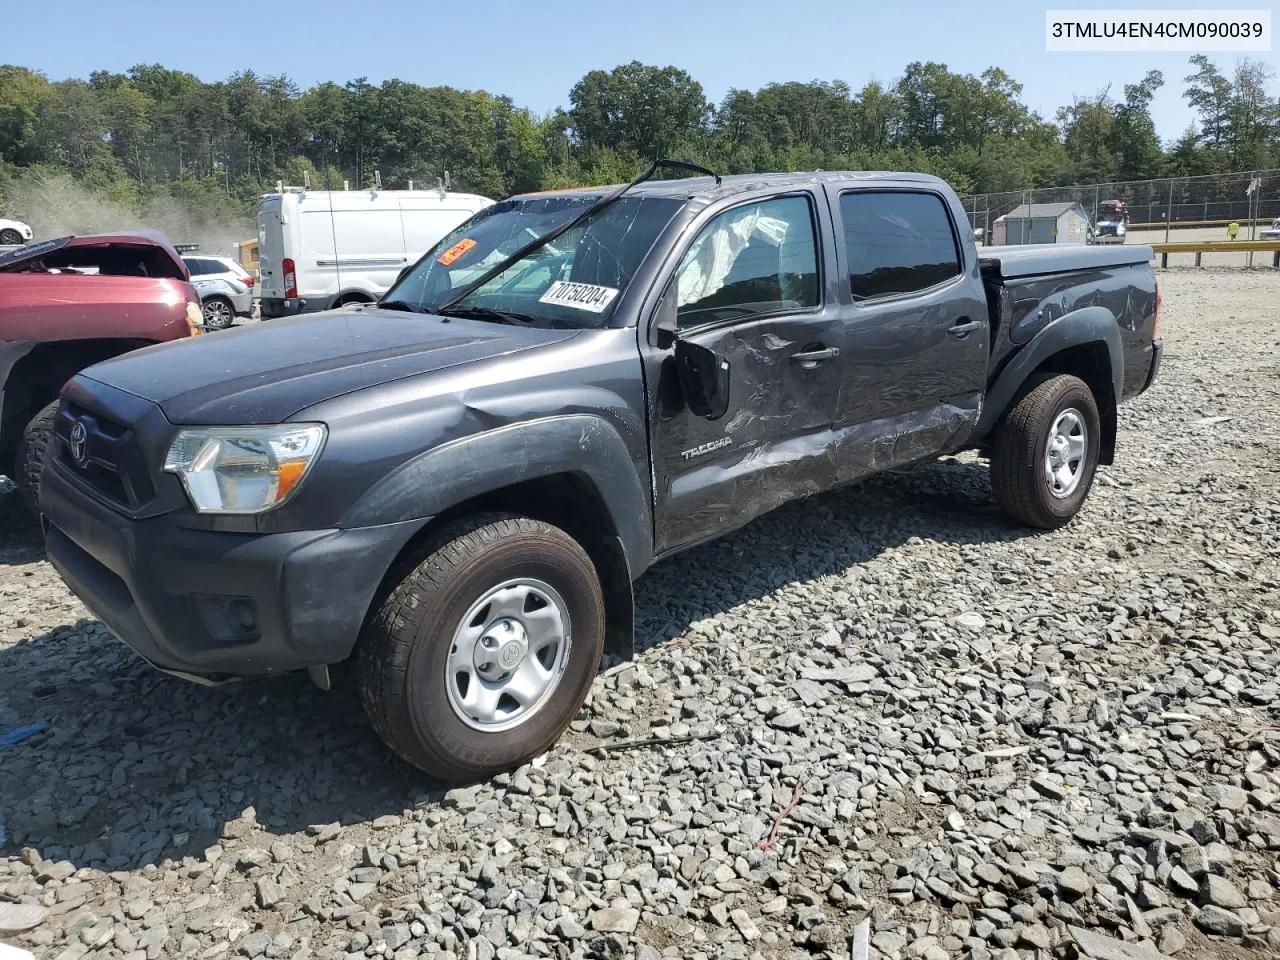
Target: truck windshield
[{"x": 574, "y": 281}]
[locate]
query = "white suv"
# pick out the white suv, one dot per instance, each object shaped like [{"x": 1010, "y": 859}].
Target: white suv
[
  {"x": 225, "y": 288},
  {"x": 14, "y": 232}
]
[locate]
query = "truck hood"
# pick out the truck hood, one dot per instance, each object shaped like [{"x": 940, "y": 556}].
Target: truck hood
[{"x": 266, "y": 372}]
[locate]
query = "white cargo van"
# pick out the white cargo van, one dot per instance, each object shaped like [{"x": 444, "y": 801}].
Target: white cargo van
[{"x": 322, "y": 248}]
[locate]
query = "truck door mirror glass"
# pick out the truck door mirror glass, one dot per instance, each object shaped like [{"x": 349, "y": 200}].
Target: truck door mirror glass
[{"x": 704, "y": 379}]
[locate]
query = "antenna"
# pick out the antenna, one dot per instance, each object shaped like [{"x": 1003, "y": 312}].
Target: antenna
[
  {"x": 346, "y": 184},
  {"x": 306, "y": 179},
  {"x": 446, "y": 179},
  {"x": 377, "y": 180},
  {"x": 279, "y": 186},
  {"x": 333, "y": 232},
  {"x": 410, "y": 184}
]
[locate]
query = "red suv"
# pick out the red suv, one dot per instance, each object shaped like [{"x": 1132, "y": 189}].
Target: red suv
[{"x": 66, "y": 304}]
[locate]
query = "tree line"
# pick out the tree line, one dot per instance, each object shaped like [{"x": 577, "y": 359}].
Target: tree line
[{"x": 156, "y": 132}]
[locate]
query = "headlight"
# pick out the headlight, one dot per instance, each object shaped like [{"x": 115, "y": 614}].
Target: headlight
[{"x": 243, "y": 469}]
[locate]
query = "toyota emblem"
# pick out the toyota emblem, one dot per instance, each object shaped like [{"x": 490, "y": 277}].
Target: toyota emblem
[{"x": 77, "y": 443}]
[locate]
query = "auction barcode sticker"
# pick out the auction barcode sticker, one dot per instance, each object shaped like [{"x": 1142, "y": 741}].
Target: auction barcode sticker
[
  {"x": 583, "y": 296},
  {"x": 1152, "y": 31}
]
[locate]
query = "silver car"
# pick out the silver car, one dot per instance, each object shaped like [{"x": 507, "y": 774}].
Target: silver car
[{"x": 225, "y": 288}]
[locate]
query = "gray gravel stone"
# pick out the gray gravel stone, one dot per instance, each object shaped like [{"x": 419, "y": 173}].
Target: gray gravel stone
[
  {"x": 615, "y": 920},
  {"x": 1220, "y": 891},
  {"x": 1215, "y": 919},
  {"x": 20, "y": 917}
]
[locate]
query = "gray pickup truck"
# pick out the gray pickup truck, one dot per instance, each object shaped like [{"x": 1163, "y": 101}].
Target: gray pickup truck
[{"x": 455, "y": 487}]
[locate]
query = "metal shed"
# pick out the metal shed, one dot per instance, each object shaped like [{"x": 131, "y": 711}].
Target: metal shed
[{"x": 1064, "y": 222}]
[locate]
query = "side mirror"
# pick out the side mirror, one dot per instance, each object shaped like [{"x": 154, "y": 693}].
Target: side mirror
[
  {"x": 704, "y": 379},
  {"x": 703, "y": 374}
]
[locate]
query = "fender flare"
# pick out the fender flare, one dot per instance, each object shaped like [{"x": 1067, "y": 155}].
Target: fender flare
[
  {"x": 1083, "y": 326},
  {"x": 581, "y": 444}
]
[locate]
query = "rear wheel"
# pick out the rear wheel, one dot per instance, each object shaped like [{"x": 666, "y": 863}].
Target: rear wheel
[
  {"x": 33, "y": 449},
  {"x": 1045, "y": 452},
  {"x": 218, "y": 313},
  {"x": 485, "y": 648}
]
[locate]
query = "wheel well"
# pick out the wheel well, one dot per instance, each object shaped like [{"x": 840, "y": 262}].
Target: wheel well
[
  {"x": 36, "y": 379},
  {"x": 352, "y": 296},
  {"x": 1091, "y": 363},
  {"x": 572, "y": 503}
]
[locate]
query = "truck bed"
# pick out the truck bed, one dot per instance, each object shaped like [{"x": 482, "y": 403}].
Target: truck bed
[{"x": 1037, "y": 259}]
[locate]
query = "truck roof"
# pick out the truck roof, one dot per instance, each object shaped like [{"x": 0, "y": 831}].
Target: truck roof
[{"x": 687, "y": 188}]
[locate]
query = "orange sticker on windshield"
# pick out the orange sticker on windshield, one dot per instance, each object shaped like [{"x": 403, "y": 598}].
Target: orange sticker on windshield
[{"x": 456, "y": 252}]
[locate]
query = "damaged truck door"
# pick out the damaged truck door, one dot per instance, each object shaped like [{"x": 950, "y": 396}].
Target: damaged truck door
[
  {"x": 756, "y": 372},
  {"x": 917, "y": 328}
]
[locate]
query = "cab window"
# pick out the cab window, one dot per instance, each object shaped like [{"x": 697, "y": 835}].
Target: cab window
[{"x": 757, "y": 259}]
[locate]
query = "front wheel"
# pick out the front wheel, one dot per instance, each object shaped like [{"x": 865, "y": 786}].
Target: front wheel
[
  {"x": 9, "y": 237},
  {"x": 33, "y": 449},
  {"x": 1046, "y": 452},
  {"x": 484, "y": 650}
]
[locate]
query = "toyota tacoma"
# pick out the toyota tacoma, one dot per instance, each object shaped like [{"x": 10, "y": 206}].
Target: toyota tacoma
[{"x": 454, "y": 488}]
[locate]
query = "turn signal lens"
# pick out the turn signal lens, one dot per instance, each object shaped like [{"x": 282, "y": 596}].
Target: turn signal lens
[{"x": 195, "y": 319}]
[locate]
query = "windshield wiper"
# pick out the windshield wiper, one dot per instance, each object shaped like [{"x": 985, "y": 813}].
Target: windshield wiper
[
  {"x": 547, "y": 237},
  {"x": 486, "y": 313},
  {"x": 401, "y": 305}
]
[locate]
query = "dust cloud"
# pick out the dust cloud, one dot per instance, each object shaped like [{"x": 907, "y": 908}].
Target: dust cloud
[{"x": 57, "y": 205}]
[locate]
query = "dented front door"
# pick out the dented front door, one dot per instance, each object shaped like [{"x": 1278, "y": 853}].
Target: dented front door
[{"x": 774, "y": 442}]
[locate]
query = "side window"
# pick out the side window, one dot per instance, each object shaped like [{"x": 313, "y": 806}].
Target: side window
[
  {"x": 756, "y": 259},
  {"x": 195, "y": 267},
  {"x": 897, "y": 242}
]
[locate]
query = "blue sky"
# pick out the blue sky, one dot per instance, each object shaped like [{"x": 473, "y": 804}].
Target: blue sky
[{"x": 535, "y": 51}]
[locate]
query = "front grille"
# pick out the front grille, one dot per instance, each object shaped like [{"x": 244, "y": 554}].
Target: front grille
[{"x": 109, "y": 460}]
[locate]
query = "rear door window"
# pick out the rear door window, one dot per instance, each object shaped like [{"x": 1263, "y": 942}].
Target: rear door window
[{"x": 897, "y": 242}]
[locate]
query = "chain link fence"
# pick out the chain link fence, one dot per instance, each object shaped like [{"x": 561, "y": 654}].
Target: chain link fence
[{"x": 1168, "y": 204}]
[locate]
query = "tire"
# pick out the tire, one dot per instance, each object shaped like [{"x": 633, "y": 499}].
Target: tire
[
  {"x": 218, "y": 313},
  {"x": 33, "y": 449},
  {"x": 1021, "y": 455},
  {"x": 410, "y": 649},
  {"x": 10, "y": 236}
]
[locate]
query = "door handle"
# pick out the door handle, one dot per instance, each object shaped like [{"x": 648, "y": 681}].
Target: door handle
[
  {"x": 816, "y": 355},
  {"x": 963, "y": 327}
]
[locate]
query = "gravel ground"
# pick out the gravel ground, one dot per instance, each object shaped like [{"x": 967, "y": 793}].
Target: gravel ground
[{"x": 972, "y": 742}]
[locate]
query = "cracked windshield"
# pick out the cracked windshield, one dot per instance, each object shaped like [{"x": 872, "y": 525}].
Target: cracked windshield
[{"x": 574, "y": 281}]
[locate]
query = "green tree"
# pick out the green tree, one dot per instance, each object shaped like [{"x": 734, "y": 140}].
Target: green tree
[
  {"x": 1133, "y": 140},
  {"x": 645, "y": 110}
]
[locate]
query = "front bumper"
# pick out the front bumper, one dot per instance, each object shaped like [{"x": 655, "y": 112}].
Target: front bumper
[{"x": 216, "y": 606}]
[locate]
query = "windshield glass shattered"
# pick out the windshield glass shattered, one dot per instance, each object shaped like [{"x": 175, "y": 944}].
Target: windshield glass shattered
[{"x": 574, "y": 281}]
